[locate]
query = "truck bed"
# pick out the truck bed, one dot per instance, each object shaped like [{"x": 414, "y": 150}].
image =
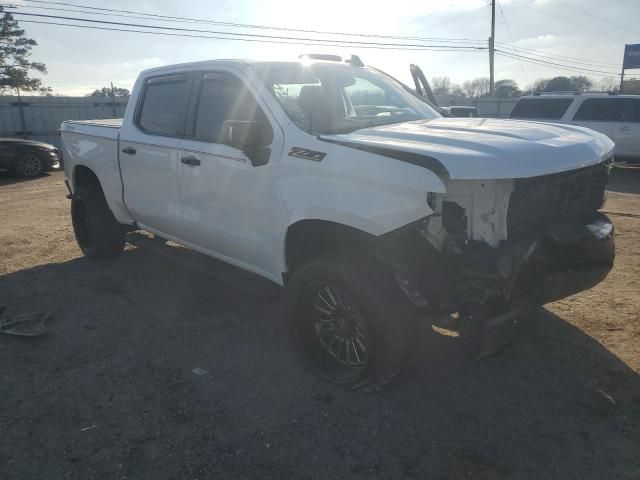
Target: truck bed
[{"x": 104, "y": 128}]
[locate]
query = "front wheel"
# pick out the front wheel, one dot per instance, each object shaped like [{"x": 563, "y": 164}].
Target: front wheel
[
  {"x": 28, "y": 164},
  {"x": 347, "y": 318},
  {"x": 98, "y": 233}
]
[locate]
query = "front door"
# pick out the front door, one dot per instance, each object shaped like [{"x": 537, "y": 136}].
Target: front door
[
  {"x": 149, "y": 153},
  {"x": 227, "y": 195}
]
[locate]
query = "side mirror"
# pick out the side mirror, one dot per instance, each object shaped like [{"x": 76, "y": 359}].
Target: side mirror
[{"x": 246, "y": 134}]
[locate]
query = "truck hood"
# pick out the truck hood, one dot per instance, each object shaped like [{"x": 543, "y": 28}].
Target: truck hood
[{"x": 483, "y": 148}]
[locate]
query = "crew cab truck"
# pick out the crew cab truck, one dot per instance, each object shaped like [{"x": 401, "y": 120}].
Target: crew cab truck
[{"x": 339, "y": 184}]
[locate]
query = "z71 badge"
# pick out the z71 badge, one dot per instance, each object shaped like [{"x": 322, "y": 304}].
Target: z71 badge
[{"x": 308, "y": 154}]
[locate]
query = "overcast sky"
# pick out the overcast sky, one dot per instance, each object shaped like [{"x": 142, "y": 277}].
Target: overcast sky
[{"x": 591, "y": 31}]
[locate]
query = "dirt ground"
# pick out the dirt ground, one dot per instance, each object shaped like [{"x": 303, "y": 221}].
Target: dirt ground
[{"x": 109, "y": 391}]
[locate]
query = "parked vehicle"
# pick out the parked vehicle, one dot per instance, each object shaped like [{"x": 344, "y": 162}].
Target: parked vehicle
[
  {"x": 617, "y": 116},
  {"x": 461, "y": 111},
  {"x": 336, "y": 182},
  {"x": 27, "y": 158},
  {"x": 423, "y": 90}
]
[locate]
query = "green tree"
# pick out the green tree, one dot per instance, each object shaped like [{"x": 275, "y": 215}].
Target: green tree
[
  {"x": 107, "y": 92},
  {"x": 581, "y": 83},
  {"x": 15, "y": 65},
  {"x": 507, "y": 88},
  {"x": 576, "y": 83}
]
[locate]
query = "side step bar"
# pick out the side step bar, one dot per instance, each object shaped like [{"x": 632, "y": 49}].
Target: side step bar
[{"x": 217, "y": 269}]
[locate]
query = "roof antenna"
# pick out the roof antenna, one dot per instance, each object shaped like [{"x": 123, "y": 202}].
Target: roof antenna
[{"x": 355, "y": 61}]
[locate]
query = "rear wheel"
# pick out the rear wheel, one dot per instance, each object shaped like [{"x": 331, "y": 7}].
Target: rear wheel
[
  {"x": 28, "y": 164},
  {"x": 347, "y": 318},
  {"x": 97, "y": 232}
]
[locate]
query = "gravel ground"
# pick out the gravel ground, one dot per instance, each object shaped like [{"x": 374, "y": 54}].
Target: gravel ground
[{"x": 109, "y": 391}]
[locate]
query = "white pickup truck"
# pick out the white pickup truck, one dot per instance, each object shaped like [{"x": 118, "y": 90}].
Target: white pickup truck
[{"x": 340, "y": 184}]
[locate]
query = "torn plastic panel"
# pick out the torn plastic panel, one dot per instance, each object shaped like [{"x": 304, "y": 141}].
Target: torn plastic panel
[{"x": 446, "y": 272}]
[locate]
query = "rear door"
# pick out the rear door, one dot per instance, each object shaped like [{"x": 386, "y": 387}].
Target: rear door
[
  {"x": 228, "y": 198},
  {"x": 599, "y": 114},
  {"x": 627, "y": 129},
  {"x": 149, "y": 152}
]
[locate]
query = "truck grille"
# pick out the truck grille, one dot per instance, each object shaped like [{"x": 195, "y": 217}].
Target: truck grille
[{"x": 561, "y": 197}]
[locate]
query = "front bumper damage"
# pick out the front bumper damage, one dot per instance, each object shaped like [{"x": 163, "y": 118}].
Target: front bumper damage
[{"x": 488, "y": 288}]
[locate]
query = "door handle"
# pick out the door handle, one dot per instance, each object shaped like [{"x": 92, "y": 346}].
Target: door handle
[
  {"x": 625, "y": 129},
  {"x": 129, "y": 150},
  {"x": 193, "y": 161}
]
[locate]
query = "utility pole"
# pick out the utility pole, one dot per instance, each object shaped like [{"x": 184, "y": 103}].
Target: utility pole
[{"x": 492, "y": 89}]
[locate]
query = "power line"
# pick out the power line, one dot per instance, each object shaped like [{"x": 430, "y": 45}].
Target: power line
[
  {"x": 448, "y": 20},
  {"x": 143, "y": 15},
  {"x": 131, "y": 13},
  {"x": 308, "y": 43},
  {"x": 586, "y": 12},
  {"x": 557, "y": 17},
  {"x": 554, "y": 56},
  {"x": 250, "y": 35},
  {"x": 506, "y": 26},
  {"x": 236, "y": 36},
  {"x": 558, "y": 65},
  {"x": 95, "y": 27}
]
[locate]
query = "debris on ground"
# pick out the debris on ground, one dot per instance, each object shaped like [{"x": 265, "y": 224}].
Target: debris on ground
[
  {"x": 26, "y": 325},
  {"x": 199, "y": 371}
]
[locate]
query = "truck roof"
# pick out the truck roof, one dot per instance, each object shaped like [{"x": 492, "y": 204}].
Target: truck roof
[{"x": 243, "y": 62}]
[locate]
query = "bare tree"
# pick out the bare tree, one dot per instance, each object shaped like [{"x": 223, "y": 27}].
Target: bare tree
[
  {"x": 478, "y": 87},
  {"x": 441, "y": 85},
  {"x": 610, "y": 84},
  {"x": 457, "y": 90}
]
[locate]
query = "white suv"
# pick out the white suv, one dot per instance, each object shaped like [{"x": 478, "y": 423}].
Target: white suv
[{"x": 617, "y": 116}]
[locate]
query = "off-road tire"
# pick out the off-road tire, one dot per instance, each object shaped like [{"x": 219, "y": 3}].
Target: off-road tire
[
  {"x": 28, "y": 164},
  {"x": 376, "y": 296},
  {"x": 97, "y": 232}
]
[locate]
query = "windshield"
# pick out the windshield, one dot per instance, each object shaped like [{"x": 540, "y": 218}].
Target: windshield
[{"x": 338, "y": 98}]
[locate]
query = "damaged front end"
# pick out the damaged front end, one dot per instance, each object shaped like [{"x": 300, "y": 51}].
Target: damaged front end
[{"x": 495, "y": 248}]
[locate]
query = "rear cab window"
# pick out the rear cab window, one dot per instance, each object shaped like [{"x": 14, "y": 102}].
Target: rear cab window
[
  {"x": 541, "y": 108},
  {"x": 163, "y": 105}
]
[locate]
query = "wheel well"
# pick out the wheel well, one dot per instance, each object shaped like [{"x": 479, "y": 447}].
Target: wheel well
[
  {"x": 84, "y": 176},
  {"x": 307, "y": 239}
]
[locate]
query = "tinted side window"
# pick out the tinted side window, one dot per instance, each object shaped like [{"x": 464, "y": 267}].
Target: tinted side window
[
  {"x": 221, "y": 98},
  {"x": 630, "y": 110},
  {"x": 599, "y": 110},
  {"x": 163, "y": 105},
  {"x": 549, "y": 108}
]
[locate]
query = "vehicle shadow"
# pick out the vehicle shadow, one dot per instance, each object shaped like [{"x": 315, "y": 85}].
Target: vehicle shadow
[
  {"x": 110, "y": 391},
  {"x": 624, "y": 180},
  {"x": 6, "y": 178}
]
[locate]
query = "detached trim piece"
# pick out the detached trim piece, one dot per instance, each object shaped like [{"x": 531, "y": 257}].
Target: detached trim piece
[
  {"x": 424, "y": 161},
  {"x": 307, "y": 154}
]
